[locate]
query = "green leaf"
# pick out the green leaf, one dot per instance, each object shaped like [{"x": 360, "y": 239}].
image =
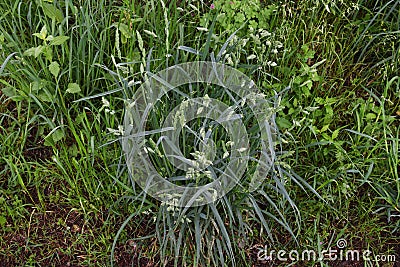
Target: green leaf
[
  {"x": 59, "y": 40},
  {"x": 45, "y": 96},
  {"x": 325, "y": 127},
  {"x": 73, "y": 150},
  {"x": 58, "y": 135},
  {"x": 37, "y": 85},
  {"x": 283, "y": 123},
  {"x": 307, "y": 52},
  {"x": 34, "y": 51},
  {"x": 329, "y": 110},
  {"x": 54, "y": 137},
  {"x": 326, "y": 137},
  {"x": 9, "y": 91},
  {"x": 73, "y": 88},
  {"x": 43, "y": 33},
  {"x": 53, "y": 12},
  {"x": 54, "y": 68},
  {"x": 3, "y": 221},
  {"x": 124, "y": 29},
  {"x": 48, "y": 53},
  {"x": 38, "y": 50},
  {"x": 370, "y": 116},
  {"x": 335, "y": 134}
]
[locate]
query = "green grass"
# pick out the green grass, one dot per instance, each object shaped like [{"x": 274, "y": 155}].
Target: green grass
[{"x": 66, "y": 196}]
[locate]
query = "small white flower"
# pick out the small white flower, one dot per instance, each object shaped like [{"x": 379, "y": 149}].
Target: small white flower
[
  {"x": 296, "y": 123},
  {"x": 264, "y": 33},
  {"x": 207, "y": 100},
  {"x": 268, "y": 43},
  {"x": 133, "y": 82},
  {"x": 119, "y": 131},
  {"x": 278, "y": 44},
  {"x": 275, "y": 51},
  {"x": 229, "y": 143},
  {"x": 244, "y": 41},
  {"x": 229, "y": 60},
  {"x": 200, "y": 110},
  {"x": 251, "y": 57},
  {"x": 149, "y": 149},
  {"x": 202, "y": 132},
  {"x": 194, "y": 7},
  {"x": 312, "y": 108},
  {"x": 150, "y": 33},
  {"x": 105, "y": 102},
  {"x": 202, "y": 29},
  {"x": 120, "y": 128},
  {"x": 170, "y": 208},
  {"x": 226, "y": 154}
]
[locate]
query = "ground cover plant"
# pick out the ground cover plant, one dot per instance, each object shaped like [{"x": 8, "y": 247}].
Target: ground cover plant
[{"x": 329, "y": 69}]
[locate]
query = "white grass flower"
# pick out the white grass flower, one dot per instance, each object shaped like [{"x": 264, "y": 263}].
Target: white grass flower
[
  {"x": 201, "y": 159},
  {"x": 133, "y": 82},
  {"x": 207, "y": 100},
  {"x": 190, "y": 173},
  {"x": 244, "y": 41},
  {"x": 226, "y": 154},
  {"x": 119, "y": 131},
  {"x": 229, "y": 60},
  {"x": 150, "y": 33},
  {"x": 229, "y": 143},
  {"x": 194, "y": 7},
  {"x": 264, "y": 33},
  {"x": 200, "y": 110},
  {"x": 170, "y": 208},
  {"x": 202, "y": 132},
  {"x": 105, "y": 102},
  {"x": 202, "y": 29},
  {"x": 112, "y": 112},
  {"x": 312, "y": 108},
  {"x": 251, "y": 57},
  {"x": 278, "y": 44}
]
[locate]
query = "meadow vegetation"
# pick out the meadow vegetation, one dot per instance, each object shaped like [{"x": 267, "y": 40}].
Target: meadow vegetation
[{"x": 330, "y": 69}]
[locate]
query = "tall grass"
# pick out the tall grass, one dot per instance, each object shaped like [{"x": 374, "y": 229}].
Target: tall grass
[{"x": 334, "y": 85}]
